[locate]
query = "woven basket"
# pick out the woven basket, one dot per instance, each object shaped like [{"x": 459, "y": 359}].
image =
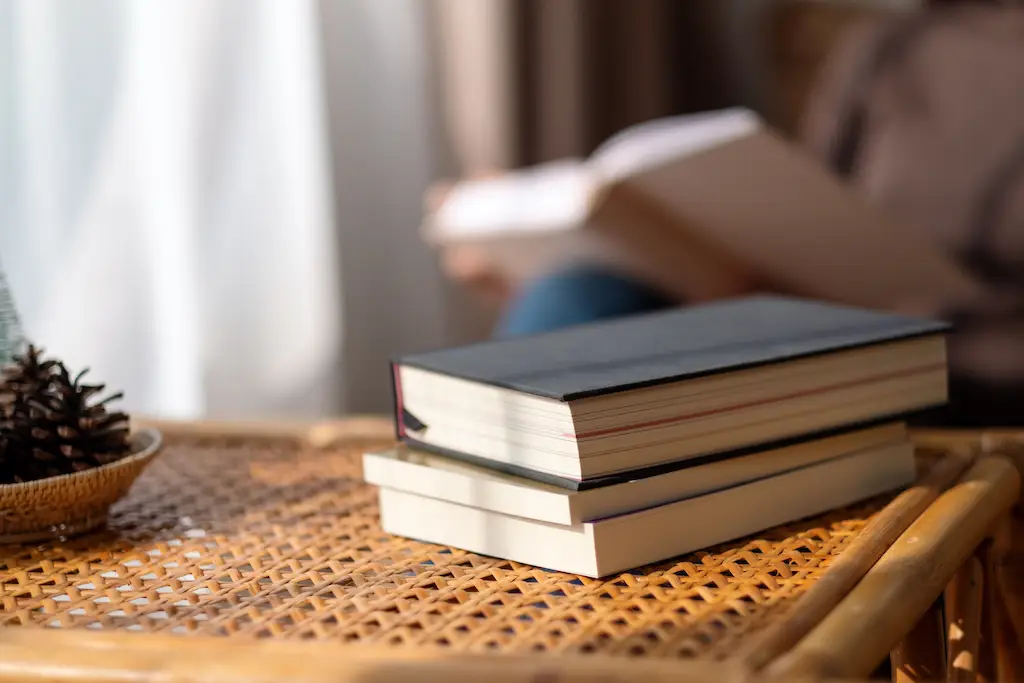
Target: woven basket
[{"x": 72, "y": 504}]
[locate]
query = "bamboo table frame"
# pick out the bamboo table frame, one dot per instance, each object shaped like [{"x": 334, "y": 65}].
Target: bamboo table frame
[{"x": 876, "y": 599}]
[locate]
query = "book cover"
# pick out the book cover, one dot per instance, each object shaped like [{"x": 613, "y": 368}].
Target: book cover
[{"x": 657, "y": 348}]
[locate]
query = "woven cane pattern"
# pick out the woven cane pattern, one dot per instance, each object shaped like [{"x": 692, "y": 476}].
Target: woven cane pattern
[{"x": 267, "y": 538}]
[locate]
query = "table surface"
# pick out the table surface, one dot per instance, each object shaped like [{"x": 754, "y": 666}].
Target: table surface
[{"x": 268, "y": 536}]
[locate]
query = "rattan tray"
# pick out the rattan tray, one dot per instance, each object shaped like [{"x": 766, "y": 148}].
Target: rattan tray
[{"x": 274, "y": 535}]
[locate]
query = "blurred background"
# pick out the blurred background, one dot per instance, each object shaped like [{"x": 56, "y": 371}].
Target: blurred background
[{"x": 215, "y": 204}]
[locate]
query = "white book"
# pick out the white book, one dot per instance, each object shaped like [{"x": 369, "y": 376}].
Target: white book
[
  {"x": 607, "y": 546},
  {"x": 437, "y": 476},
  {"x": 674, "y": 199}
]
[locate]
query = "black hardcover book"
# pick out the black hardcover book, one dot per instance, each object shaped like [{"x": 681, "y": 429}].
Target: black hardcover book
[{"x": 597, "y": 402}]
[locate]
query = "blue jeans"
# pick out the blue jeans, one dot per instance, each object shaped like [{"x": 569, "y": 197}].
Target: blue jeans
[{"x": 577, "y": 295}]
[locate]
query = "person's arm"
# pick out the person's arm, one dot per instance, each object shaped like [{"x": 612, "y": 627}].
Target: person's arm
[
  {"x": 466, "y": 264},
  {"x": 707, "y": 275}
]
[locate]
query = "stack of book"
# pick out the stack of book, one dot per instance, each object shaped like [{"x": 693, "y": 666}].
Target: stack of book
[{"x": 607, "y": 446}]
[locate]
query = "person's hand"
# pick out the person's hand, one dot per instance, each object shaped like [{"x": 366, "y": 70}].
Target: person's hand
[{"x": 467, "y": 264}]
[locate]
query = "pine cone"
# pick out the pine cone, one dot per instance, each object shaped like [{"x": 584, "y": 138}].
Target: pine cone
[
  {"x": 28, "y": 375},
  {"x": 50, "y": 425}
]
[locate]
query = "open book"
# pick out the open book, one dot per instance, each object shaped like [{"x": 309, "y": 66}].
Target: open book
[{"x": 678, "y": 197}]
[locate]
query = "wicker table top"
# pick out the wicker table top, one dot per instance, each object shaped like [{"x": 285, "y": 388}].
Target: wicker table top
[{"x": 268, "y": 536}]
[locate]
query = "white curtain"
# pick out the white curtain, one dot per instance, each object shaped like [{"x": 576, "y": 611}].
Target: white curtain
[
  {"x": 165, "y": 200},
  {"x": 387, "y": 146}
]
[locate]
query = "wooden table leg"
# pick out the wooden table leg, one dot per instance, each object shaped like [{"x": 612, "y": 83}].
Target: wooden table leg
[
  {"x": 956, "y": 640},
  {"x": 922, "y": 654},
  {"x": 964, "y": 597},
  {"x": 1004, "y": 578},
  {"x": 1001, "y": 660}
]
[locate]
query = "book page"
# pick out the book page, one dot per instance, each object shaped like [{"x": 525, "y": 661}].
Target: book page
[
  {"x": 648, "y": 145},
  {"x": 768, "y": 204},
  {"x": 557, "y": 195},
  {"x": 549, "y": 197}
]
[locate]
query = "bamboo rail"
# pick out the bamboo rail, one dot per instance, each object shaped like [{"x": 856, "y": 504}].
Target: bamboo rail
[
  {"x": 880, "y": 533},
  {"x": 130, "y": 658},
  {"x": 900, "y": 587},
  {"x": 321, "y": 434}
]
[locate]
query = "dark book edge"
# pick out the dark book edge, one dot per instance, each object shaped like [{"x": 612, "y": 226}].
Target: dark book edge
[
  {"x": 404, "y": 420},
  {"x": 505, "y": 468},
  {"x": 938, "y": 330},
  {"x": 399, "y": 428},
  {"x": 665, "y": 468},
  {"x": 396, "y": 401}
]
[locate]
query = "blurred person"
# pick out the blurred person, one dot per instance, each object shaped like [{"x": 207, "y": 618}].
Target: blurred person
[{"x": 986, "y": 386}]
